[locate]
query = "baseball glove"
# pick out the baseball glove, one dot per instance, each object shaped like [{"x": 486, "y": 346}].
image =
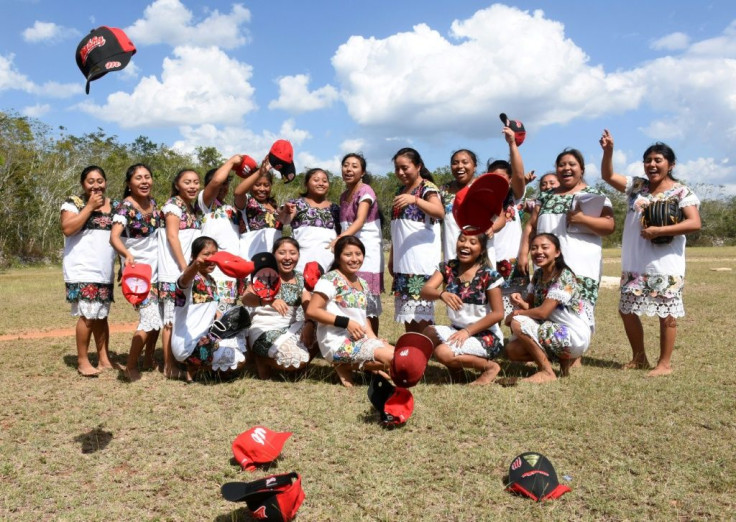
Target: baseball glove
[{"x": 661, "y": 213}]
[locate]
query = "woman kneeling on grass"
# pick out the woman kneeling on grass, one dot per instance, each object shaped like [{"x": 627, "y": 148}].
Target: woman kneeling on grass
[
  {"x": 339, "y": 306},
  {"x": 278, "y": 334},
  {"x": 195, "y": 310},
  {"x": 474, "y": 305},
  {"x": 557, "y": 326}
]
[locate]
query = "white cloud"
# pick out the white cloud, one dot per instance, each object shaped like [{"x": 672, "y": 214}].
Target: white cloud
[
  {"x": 197, "y": 86},
  {"x": 703, "y": 175},
  {"x": 420, "y": 82},
  {"x": 36, "y": 111},
  {"x": 671, "y": 42},
  {"x": 294, "y": 95},
  {"x": 47, "y": 32},
  {"x": 169, "y": 22},
  {"x": 12, "y": 79}
]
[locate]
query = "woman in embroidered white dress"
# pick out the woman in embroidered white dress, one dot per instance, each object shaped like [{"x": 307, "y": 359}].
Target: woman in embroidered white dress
[
  {"x": 652, "y": 274},
  {"x": 220, "y": 221},
  {"x": 136, "y": 220},
  {"x": 314, "y": 219},
  {"x": 182, "y": 226},
  {"x": 338, "y": 306},
  {"x": 88, "y": 267},
  {"x": 278, "y": 335},
  {"x": 360, "y": 217},
  {"x": 555, "y": 211},
  {"x": 416, "y": 242}
]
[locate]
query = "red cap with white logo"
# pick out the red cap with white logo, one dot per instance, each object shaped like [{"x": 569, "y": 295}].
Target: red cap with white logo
[{"x": 258, "y": 445}]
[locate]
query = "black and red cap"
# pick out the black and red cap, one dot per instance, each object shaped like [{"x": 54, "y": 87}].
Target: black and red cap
[
  {"x": 531, "y": 474},
  {"x": 276, "y": 498},
  {"x": 103, "y": 50}
]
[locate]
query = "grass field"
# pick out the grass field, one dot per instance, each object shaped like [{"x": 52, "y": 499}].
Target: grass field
[{"x": 633, "y": 448}]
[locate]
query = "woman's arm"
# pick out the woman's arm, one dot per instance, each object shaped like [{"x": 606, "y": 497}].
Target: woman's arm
[
  {"x": 117, "y": 244},
  {"x": 72, "y": 223},
  {"x": 317, "y": 312},
  {"x": 360, "y": 216},
  {"x": 518, "y": 183},
  {"x": 172, "y": 235},
  {"x": 432, "y": 206},
  {"x": 617, "y": 181},
  {"x": 241, "y": 191},
  {"x": 600, "y": 226},
  {"x": 522, "y": 260},
  {"x": 690, "y": 223},
  {"x": 213, "y": 187},
  {"x": 495, "y": 298},
  {"x": 540, "y": 313}
]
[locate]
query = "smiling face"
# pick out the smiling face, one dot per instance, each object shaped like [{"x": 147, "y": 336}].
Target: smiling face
[
  {"x": 287, "y": 256},
  {"x": 94, "y": 183},
  {"x": 569, "y": 171},
  {"x": 318, "y": 185},
  {"x": 140, "y": 183},
  {"x": 352, "y": 171},
  {"x": 188, "y": 186},
  {"x": 208, "y": 266},
  {"x": 469, "y": 248},
  {"x": 544, "y": 252},
  {"x": 462, "y": 167},
  {"x": 548, "y": 182},
  {"x": 406, "y": 171},
  {"x": 262, "y": 189},
  {"x": 657, "y": 167},
  {"x": 351, "y": 259}
]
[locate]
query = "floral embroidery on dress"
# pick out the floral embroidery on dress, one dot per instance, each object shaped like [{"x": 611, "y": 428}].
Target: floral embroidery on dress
[
  {"x": 136, "y": 223},
  {"x": 97, "y": 220},
  {"x": 220, "y": 210},
  {"x": 91, "y": 292},
  {"x": 640, "y": 198},
  {"x": 190, "y": 216},
  {"x": 167, "y": 291},
  {"x": 565, "y": 289},
  {"x": 258, "y": 216},
  {"x": 308, "y": 216},
  {"x": 346, "y": 296},
  {"x": 408, "y": 286},
  {"x": 652, "y": 285},
  {"x": 291, "y": 293},
  {"x": 412, "y": 212},
  {"x": 447, "y": 197},
  {"x": 551, "y": 203},
  {"x": 473, "y": 291}
]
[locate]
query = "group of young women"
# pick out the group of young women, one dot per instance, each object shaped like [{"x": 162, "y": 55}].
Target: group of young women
[{"x": 484, "y": 279}]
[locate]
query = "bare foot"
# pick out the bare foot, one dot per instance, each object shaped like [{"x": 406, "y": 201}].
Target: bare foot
[
  {"x": 487, "y": 376},
  {"x": 577, "y": 363},
  {"x": 149, "y": 365},
  {"x": 566, "y": 364},
  {"x": 345, "y": 373},
  {"x": 87, "y": 370},
  {"x": 132, "y": 375},
  {"x": 541, "y": 377},
  {"x": 457, "y": 375},
  {"x": 636, "y": 364},
  {"x": 174, "y": 373},
  {"x": 659, "y": 371}
]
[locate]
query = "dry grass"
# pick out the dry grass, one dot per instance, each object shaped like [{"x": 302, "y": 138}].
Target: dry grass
[{"x": 635, "y": 448}]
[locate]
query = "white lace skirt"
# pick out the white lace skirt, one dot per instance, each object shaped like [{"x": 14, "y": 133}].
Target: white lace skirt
[
  {"x": 651, "y": 306},
  {"x": 90, "y": 309}
]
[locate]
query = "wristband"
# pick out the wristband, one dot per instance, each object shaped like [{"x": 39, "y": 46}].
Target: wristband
[
  {"x": 341, "y": 321},
  {"x": 440, "y": 296}
]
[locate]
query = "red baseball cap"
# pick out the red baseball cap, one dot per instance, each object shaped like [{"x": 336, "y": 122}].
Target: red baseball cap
[
  {"x": 247, "y": 165},
  {"x": 398, "y": 407},
  {"x": 477, "y": 203},
  {"x": 411, "y": 356},
  {"x": 136, "y": 283},
  {"x": 516, "y": 126},
  {"x": 232, "y": 265},
  {"x": 281, "y": 157},
  {"x": 312, "y": 272},
  {"x": 277, "y": 497},
  {"x": 258, "y": 445},
  {"x": 103, "y": 50}
]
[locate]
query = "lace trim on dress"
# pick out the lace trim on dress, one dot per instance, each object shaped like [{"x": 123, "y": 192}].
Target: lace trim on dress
[
  {"x": 651, "y": 306},
  {"x": 407, "y": 311}
]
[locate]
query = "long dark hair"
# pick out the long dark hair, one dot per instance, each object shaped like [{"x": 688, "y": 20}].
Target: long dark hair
[
  {"x": 200, "y": 243},
  {"x": 367, "y": 178},
  {"x": 340, "y": 245},
  {"x": 560, "y": 263},
  {"x": 483, "y": 242},
  {"x": 416, "y": 160},
  {"x": 129, "y": 175}
]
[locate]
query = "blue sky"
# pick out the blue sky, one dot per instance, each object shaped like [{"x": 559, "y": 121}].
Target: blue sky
[{"x": 339, "y": 76}]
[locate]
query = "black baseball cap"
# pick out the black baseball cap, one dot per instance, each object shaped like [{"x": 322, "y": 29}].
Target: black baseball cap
[{"x": 103, "y": 50}]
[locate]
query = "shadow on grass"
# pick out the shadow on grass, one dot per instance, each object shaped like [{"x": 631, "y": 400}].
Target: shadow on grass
[
  {"x": 601, "y": 363},
  {"x": 241, "y": 514},
  {"x": 94, "y": 440},
  {"x": 70, "y": 360}
]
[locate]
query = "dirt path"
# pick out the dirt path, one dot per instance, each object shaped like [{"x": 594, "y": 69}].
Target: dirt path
[{"x": 64, "y": 332}]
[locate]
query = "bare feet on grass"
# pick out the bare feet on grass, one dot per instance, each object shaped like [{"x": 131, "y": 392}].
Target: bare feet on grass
[
  {"x": 175, "y": 373},
  {"x": 345, "y": 373},
  {"x": 660, "y": 370},
  {"x": 487, "y": 376},
  {"x": 541, "y": 377},
  {"x": 566, "y": 364},
  {"x": 87, "y": 370},
  {"x": 637, "y": 363},
  {"x": 132, "y": 374}
]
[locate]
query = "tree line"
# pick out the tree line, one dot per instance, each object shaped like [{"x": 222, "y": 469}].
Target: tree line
[{"x": 40, "y": 168}]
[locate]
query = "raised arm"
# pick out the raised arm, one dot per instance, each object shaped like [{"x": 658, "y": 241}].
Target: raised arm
[
  {"x": 518, "y": 183},
  {"x": 213, "y": 187},
  {"x": 617, "y": 181},
  {"x": 241, "y": 191}
]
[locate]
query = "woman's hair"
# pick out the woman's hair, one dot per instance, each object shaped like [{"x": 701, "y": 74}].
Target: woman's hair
[
  {"x": 482, "y": 241},
  {"x": 560, "y": 263},
  {"x": 89, "y": 169},
  {"x": 357, "y": 155},
  {"x": 280, "y": 241},
  {"x": 416, "y": 160},
  {"x": 200, "y": 243},
  {"x": 340, "y": 245},
  {"x": 545, "y": 175},
  {"x": 308, "y": 176},
  {"x": 575, "y": 153},
  {"x": 663, "y": 149},
  {"x": 129, "y": 175},
  {"x": 174, "y": 188},
  {"x": 493, "y": 165}
]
